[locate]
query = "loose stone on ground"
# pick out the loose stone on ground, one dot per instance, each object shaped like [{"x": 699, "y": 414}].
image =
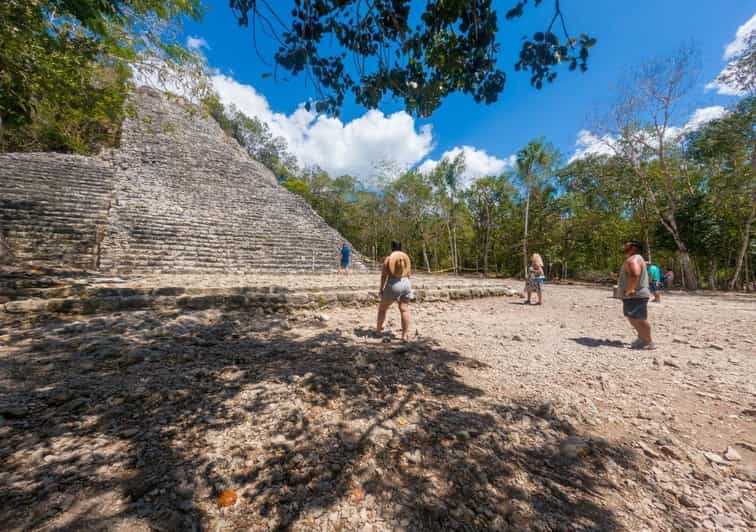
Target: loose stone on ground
[{"x": 143, "y": 419}]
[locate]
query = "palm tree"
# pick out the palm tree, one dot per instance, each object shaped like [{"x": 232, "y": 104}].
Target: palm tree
[{"x": 534, "y": 164}]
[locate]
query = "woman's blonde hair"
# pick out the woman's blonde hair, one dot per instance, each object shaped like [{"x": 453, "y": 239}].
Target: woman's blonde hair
[{"x": 536, "y": 258}]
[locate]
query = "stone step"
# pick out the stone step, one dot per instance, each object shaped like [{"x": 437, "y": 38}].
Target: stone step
[
  {"x": 225, "y": 245},
  {"x": 272, "y": 299}
]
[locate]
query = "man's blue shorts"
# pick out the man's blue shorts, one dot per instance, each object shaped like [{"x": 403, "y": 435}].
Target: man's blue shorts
[{"x": 635, "y": 308}]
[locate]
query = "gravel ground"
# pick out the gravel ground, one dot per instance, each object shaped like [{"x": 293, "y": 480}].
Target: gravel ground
[{"x": 497, "y": 416}]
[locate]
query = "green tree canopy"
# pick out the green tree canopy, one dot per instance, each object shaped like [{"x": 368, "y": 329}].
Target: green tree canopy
[
  {"x": 418, "y": 57},
  {"x": 65, "y": 66}
]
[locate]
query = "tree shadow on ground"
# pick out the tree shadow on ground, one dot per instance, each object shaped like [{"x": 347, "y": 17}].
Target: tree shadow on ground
[{"x": 142, "y": 419}]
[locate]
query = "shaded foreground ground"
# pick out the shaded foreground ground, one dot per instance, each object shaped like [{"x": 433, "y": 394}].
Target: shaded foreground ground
[{"x": 498, "y": 416}]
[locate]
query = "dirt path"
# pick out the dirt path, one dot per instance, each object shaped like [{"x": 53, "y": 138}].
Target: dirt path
[{"x": 498, "y": 416}]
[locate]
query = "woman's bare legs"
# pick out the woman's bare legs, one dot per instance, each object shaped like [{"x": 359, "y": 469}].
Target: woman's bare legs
[
  {"x": 404, "y": 312},
  {"x": 382, "y": 308}
]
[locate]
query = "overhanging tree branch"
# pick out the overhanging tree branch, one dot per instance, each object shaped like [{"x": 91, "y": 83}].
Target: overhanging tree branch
[{"x": 453, "y": 49}]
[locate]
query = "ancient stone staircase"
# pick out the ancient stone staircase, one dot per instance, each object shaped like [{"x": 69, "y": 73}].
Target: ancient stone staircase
[
  {"x": 177, "y": 196},
  {"x": 190, "y": 199},
  {"x": 53, "y": 208}
]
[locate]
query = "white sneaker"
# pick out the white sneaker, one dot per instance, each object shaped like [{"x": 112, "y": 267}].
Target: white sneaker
[
  {"x": 642, "y": 344},
  {"x": 637, "y": 344}
]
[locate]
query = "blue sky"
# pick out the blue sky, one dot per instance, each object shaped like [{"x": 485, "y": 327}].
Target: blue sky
[{"x": 628, "y": 32}]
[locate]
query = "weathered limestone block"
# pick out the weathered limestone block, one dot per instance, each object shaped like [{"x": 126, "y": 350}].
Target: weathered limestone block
[
  {"x": 200, "y": 302},
  {"x": 64, "y": 306},
  {"x": 236, "y": 301},
  {"x": 136, "y": 302},
  {"x": 26, "y": 305},
  {"x": 297, "y": 300},
  {"x": 168, "y": 291},
  {"x": 460, "y": 293}
]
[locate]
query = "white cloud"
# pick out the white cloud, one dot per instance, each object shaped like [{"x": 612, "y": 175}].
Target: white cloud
[
  {"x": 732, "y": 49},
  {"x": 726, "y": 89},
  {"x": 478, "y": 163},
  {"x": 589, "y": 143},
  {"x": 704, "y": 115},
  {"x": 196, "y": 43},
  {"x": 741, "y": 39},
  {"x": 353, "y": 148}
]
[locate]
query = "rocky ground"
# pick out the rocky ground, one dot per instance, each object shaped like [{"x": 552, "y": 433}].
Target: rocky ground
[{"x": 497, "y": 416}]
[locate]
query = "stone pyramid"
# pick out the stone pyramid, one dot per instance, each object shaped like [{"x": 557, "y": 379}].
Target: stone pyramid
[{"x": 177, "y": 196}]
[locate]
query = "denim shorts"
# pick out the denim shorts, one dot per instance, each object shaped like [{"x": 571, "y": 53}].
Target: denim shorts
[
  {"x": 635, "y": 308},
  {"x": 534, "y": 285},
  {"x": 397, "y": 290}
]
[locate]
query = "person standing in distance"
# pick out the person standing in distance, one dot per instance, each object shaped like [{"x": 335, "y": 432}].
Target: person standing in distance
[
  {"x": 634, "y": 292},
  {"x": 535, "y": 278},
  {"x": 344, "y": 258},
  {"x": 669, "y": 279},
  {"x": 654, "y": 274},
  {"x": 395, "y": 286}
]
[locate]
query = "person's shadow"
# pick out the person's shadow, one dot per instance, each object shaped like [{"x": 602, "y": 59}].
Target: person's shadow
[
  {"x": 370, "y": 332},
  {"x": 597, "y": 342}
]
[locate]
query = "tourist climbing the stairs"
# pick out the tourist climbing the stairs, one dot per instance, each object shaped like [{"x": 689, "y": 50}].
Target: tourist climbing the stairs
[{"x": 395, "y": 286}]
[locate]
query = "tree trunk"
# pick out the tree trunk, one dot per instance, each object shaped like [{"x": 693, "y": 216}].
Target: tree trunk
[
  {"x": 696, "y": 269},
  {"x": 712, "y": 272},
  {"x": 456, "y": 252},
  {"x": 451, "y": 248},
  {"x": 744, "y": 245},
  {"x": 525, "y": 237},
  {"x": 648, "y": 241},
  {"x": 688, "y": 279},
  {"x": 747, "y": 273},
  {"x": 487, "y": 240},
  {"x": 425, "y": 258}
]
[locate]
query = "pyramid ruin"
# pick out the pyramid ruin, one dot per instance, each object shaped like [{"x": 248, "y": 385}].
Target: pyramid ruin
[{"x": 177, "y": 196}]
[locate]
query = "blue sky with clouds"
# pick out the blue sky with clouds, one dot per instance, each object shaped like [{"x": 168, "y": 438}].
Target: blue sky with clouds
[{"x": 628, "y": 32}]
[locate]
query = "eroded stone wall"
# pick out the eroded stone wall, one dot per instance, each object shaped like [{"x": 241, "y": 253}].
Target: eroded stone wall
[
  {"x": 53, "y": 209},
  {"x": 177, "y": 196}
]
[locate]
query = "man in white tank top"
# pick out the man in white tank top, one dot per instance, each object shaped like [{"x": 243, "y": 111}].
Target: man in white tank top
[{"x": 634, "y": 292}]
